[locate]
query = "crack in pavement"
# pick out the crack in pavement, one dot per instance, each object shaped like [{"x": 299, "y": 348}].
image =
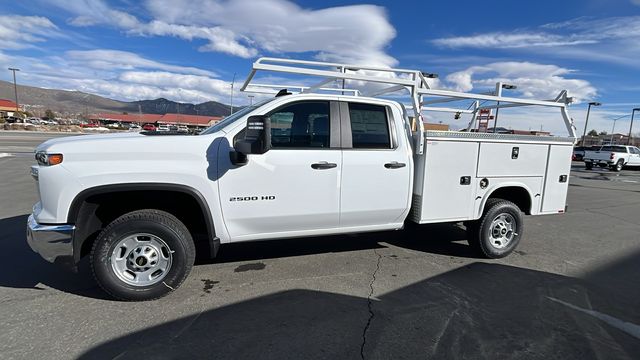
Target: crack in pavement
[{"x": 370, "y": 305}]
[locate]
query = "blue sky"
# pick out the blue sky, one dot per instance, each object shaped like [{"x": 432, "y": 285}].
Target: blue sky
[{"x": 189, "y": 50}]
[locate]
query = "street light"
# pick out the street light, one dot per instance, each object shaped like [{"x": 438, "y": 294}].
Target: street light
[
  {"x": 613, "y": 129},
  {"x": 631, "y": 126},
  {"x": 15, "y": 87},
  {"x": 232, "y": 84},
  {"x": 584, "y": 133},
  {"x": 499, "y": 87}
]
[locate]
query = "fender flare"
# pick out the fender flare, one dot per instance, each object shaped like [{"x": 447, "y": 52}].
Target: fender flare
[
  {"x": 78, "y": 201},
  {"x": 502, "y": 186}
]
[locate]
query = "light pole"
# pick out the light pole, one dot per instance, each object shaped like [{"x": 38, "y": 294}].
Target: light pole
[
  {"x": 232, "y": 83},
  {"x": 631, "y": 126},
  {"x": 499, "y": 87},
  {"x": 613, "y": 129},
  {"x": 250, "y": 99},
  {"x": 586, "y": 122},
  {"x": 15, "y": 88}
]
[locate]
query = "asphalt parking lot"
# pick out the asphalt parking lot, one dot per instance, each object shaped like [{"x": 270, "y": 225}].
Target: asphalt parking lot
[{"x": 570, "y": 291}]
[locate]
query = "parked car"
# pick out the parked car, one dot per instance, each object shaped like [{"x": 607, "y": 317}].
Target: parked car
[
  {"x": 90, "y": 125},
  {"x": 183, "y": 128},
  {"x": 163, "y": 128},
  {"x": 578, "y": 153},
  {"x": 149, "y": 127},
  {"x": 134, "y": 127},
  {"x": 615, "y": 157}
]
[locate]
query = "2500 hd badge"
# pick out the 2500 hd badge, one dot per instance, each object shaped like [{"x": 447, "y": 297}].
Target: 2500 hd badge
[{"x": 252, "y": 198}]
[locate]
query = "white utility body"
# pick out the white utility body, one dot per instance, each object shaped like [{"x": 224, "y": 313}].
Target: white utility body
[{"x": 326, "y": 160}]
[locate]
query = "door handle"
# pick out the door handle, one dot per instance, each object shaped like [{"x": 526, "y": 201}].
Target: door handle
[
  {"x": 323, "y": 165},
  {"x": 394, "y": 165}
]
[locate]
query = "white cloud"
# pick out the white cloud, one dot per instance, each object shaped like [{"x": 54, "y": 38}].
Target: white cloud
[
  {"x": 533, "y": 80},
  {"x": 635, "y": 2},
  {"x": 580, "y": 31},
  {"x": 219, "y": 39},
  {"x": 510, "y": 40},
  {"x": 104, "y": 59},
  {"x": 612, "y": 40},
  {"x": 118, "y": 75},
  {"x": 19, "y": 32},
  {"x": 357, "y": 33}
]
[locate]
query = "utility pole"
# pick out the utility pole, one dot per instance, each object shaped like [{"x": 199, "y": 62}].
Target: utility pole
[
  {"x": 631, "y": 126},
  {"x": 232, "y": 83},
  {"x": 250, "y": 99},
  {"x": 15, "y": 88}
]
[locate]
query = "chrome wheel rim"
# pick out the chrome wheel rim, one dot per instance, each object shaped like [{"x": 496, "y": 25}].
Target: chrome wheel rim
[
  {"x": 503, "y": 230},
  {"x": 141, "y": 259}
]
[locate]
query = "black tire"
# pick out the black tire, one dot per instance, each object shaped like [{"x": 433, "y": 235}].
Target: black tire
[
  {"x": 157, "y": 223},
  {"x": 588, "y": 165},
  {"x": 618, "y": 166},
  {"x": 480, "y": 231}
]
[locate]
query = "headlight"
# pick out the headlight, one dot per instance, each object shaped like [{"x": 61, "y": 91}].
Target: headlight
[{"x": 45, "y": 159}]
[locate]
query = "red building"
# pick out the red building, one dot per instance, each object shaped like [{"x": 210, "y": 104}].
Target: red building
[{"x": 7, "y": 108}]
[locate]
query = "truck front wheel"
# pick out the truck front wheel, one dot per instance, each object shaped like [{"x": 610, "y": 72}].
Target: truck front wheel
[
  {"x": 142, "y": 255},
  {"x": 497, "y": 233}
]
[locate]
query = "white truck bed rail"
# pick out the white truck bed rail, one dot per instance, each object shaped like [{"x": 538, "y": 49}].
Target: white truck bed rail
[{"x": 413, "y": 81}]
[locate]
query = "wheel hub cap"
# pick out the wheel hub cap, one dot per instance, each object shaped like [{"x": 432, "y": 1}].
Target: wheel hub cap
[
  {"x": 141, "y": 259},
  {"x": 503, "y": 229}
]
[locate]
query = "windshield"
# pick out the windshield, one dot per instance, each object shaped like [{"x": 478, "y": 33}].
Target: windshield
[{"x": 233, "y": 117}]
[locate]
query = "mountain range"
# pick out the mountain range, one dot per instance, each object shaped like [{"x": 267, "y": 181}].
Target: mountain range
[{"x": 69, "y": 103}]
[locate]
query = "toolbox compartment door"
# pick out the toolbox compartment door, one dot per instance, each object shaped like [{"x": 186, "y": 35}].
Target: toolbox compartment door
[
  {"x": 512, "y": 159},
  {"x": 556, "y": 184}
]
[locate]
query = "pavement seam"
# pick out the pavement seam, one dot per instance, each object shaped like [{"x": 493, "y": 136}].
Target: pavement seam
[{"x": 370, "y": 305}]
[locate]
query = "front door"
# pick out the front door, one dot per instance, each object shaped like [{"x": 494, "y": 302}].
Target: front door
[{"x": 292, "y": 189}]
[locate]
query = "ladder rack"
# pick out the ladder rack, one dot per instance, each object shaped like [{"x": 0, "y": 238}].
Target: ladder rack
[{"x": 412, "y": 81}]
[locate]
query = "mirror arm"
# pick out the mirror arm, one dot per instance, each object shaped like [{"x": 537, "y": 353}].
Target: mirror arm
[{"x": 238, "y": 158}]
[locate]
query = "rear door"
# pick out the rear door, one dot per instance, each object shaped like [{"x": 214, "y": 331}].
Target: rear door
[
  {"x": 376, "y": 170},
  {"x": 634, "y": 158}
]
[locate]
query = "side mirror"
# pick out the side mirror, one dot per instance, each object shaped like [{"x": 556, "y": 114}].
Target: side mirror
[{"x": 257, "y": 139}]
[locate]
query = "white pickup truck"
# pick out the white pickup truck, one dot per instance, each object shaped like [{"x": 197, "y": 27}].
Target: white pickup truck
[
  {"x": 295, "y": 165},
  {"x": 615, "y": 157}
]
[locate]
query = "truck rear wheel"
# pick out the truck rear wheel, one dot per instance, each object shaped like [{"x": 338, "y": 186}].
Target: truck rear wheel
[
  {"x": 142, "y": 255},
  {"x": 497, "y": 233},
  {"x": 618, "y": 166},
  {"x": 588, "y": 165}
]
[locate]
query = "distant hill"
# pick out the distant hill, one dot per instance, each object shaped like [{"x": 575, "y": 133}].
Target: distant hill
[{"x": 67, "y": 102}]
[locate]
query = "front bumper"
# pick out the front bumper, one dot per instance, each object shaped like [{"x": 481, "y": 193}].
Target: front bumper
[{"x": 53, "y": 242}]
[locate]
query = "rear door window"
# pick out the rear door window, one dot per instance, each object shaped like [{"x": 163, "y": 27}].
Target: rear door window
[{"x": 369, "y": 126}]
